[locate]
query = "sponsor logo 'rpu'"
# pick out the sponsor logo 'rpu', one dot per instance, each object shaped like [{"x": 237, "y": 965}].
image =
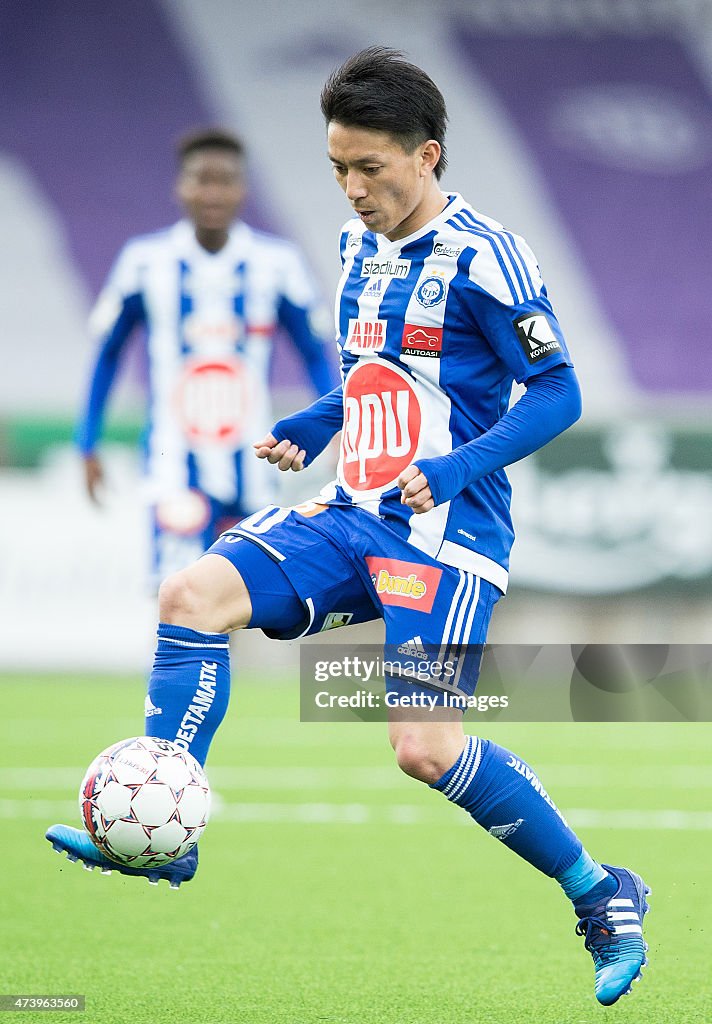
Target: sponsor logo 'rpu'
[{"x": 381, "y": 426}]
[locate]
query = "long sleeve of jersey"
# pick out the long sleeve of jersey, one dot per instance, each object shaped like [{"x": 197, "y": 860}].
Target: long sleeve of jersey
[
  {"x": 551, "y": 403},
  {"x": 118, "y": 309},
  {"x": 298, "y": 308},
  {"x": 130, "y": 313},
  {"x": 312, "y": 428},
  {"x": 297, "y": 322}
]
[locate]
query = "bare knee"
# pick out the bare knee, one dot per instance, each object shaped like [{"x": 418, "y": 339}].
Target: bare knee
[
  {"x": 209, "y": 596},
  {"x": 426, "y": 744},
  {"x": 180, "y": 601},
  {"x": 416, "y": 757}
]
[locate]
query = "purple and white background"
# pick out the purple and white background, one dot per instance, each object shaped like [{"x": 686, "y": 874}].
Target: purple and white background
[{"x": 585, "y": 125}]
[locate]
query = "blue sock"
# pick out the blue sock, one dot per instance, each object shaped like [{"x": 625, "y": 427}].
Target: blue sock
[
  {"x": 586, "y": 878},
  {"x": 504, "y": 796},
  {"x": 189, "y": 687}
]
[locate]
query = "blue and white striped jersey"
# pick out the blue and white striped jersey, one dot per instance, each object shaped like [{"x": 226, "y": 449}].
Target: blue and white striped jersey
[
  {"x": 433, "y": 329},
  {"x": 210, "y": 320}
]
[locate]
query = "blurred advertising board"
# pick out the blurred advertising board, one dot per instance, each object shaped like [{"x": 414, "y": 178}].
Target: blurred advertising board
[{"x": 616, "y": 509}]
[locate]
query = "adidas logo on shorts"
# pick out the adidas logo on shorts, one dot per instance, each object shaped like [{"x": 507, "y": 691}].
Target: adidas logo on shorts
[{"x": 413, "y": 648}]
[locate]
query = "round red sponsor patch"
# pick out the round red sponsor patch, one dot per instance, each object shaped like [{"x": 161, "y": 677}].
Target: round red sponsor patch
[
  {"x": 381, "y": 426},
  {"x": 213, "y": 401}
]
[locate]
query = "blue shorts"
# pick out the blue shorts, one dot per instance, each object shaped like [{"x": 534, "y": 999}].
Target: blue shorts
[{"x": 346, "y": 566}]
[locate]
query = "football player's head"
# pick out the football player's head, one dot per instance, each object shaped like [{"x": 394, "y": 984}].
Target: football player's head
[
  {"x": 211, "y": 183},
  {"x": 386, "y": 122},
  {"x": 379, "y": 90}
]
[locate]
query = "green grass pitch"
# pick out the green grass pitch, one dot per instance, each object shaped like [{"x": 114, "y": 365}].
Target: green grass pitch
[{"x": 332, "y": 888}]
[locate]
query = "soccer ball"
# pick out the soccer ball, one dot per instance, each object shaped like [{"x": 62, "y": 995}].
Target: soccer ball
[{"x": 144, "y": 801}]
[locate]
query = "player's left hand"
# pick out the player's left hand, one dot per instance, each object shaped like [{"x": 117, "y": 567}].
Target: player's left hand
[{"x": 415, "y": 490}]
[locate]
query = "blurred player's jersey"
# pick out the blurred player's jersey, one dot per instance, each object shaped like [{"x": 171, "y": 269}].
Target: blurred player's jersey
[
  {"x": 210, "y": 320},
  {"x": 433, "y": 329}
]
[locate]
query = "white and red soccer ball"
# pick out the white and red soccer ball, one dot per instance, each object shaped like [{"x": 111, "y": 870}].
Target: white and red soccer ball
[{"x": 144, "y": 801}]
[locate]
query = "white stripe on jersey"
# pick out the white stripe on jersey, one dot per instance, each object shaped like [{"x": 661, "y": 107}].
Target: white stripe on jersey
[
  {"x": 501, "y": 255},
  {"x": 428, "y": 528},
  {"x": 505, "y": 267},
  {"x": 352, "y": 246},
  {"x": 521, "y": 264},
  {"x": 167, "y": 467}
]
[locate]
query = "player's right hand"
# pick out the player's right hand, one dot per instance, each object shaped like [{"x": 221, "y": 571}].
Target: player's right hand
[
  {"x": 283, "y": 454},
  {"x": 93, "y": 477}
]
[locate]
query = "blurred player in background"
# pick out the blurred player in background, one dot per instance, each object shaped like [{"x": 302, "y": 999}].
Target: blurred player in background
[
  {"x": 210, "y": 292},
  {"x": 439, "y": 310}
]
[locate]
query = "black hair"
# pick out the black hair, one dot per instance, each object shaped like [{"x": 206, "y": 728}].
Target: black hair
[
  {"x": 379, "y": 89},
  {"x": 209, "y": 138}
]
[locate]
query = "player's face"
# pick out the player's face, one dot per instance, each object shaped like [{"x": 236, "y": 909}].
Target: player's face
[
  {"x": 211, "y": 188},
  {"x": 393, "y": 192}
]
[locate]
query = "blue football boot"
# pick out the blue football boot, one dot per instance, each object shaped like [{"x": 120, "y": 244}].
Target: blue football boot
[
  {"x": 613, "y": 930},
  {"x": 78, "y": 846}
]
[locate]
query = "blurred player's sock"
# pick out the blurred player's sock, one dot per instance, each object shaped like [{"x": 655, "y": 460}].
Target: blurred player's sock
[
  {"x": 189, "y": 687},
  {"x": 504, "y": 796}
]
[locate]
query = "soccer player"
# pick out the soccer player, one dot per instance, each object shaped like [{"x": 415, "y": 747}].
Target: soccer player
[
  {"x": 210, "y": 292},
  {"x": 438, "y": 310}
]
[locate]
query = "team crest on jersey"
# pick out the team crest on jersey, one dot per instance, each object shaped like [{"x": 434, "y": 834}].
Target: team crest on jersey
[
  {"x": 431, "y": 291},
  {"x": 366, "y": 336}
]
